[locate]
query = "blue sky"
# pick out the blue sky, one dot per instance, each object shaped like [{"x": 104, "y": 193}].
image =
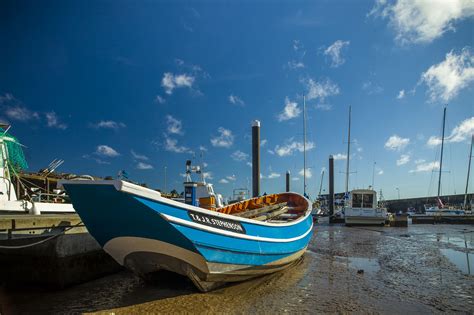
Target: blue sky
[{"x": 140, "y": 85}]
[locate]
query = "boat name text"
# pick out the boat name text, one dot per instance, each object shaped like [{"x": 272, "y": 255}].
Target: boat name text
[{"x": 219, "y": 223}]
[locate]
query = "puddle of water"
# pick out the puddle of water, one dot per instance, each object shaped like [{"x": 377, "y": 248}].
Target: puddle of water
[
  {"x": 370, "y": 265},
  {"x": 465, "y": 241},
  {"x": 463, "y": 261}
]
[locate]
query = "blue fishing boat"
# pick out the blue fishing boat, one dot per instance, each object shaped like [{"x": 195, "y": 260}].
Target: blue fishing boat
[{"x": 146, "y": 232}]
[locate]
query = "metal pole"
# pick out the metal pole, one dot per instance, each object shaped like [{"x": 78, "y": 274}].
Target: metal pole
[
  {"x": 441, "y": 159},
  {"x": 165, "y": 180},
  {"x": 287, "y": 181},
  {"x": 348, "y": 151},
  {"x": 255, "y": 158},
  {"x": 304, "y": 145},
  {"x": 373, "y": 175},
  {"x": 331, "y": 186},
  {"x": 468, "y": 172}
]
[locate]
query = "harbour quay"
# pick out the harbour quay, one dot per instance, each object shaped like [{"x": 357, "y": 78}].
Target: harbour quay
[{"x": 52, "y": 250}]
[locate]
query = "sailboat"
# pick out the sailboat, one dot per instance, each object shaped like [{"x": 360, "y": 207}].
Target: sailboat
[
  {"x": 441, "y": 208},
  {"x": 361, "y": 206}
]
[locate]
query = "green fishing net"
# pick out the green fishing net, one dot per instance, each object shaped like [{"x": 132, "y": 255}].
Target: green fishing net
[{"x": 16, "y": 157}]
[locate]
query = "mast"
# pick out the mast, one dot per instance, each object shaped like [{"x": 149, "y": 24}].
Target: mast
[
  {"x": 348, "y": 151},
  {"x": 321, "y": 183},
  {"x": 304, "y": 145},
  {"x": 442, "y": 148},
  {"x": 468, "y": 171}
]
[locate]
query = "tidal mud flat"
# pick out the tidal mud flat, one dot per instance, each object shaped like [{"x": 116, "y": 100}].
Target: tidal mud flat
[{"x": 419, "y": 269}]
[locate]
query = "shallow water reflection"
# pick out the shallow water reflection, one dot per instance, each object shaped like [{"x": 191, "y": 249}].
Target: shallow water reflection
[{"x": 463, "y": 261}]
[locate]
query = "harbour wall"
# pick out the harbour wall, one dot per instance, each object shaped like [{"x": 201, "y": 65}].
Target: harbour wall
[{"x": 54, "y": 251}]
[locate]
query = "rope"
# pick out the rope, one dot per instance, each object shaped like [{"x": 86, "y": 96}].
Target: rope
[{"x": 42, "y": 241}]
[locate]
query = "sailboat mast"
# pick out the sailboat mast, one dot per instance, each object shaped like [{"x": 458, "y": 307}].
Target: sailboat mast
[
  {"x": 304, "y": 145},
  {"x": 468, "y": 171},
  {"x": 442, "y": 148},
  {"x": 348, "y": 151}
]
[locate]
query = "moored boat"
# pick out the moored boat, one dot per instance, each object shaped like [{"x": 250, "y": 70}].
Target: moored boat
[
  {"x": 363, "y": 210},
  {"x": 146, "y": 232}
]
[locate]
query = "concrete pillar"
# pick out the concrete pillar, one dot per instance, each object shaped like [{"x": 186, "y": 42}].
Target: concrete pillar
[
  {"x": 331, "y": 187},
  {"x": 255, "y": 158},
  {"x": 287, "y": 181}
]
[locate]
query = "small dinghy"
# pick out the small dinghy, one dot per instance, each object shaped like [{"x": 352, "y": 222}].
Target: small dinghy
[{"x": 146, "y": 232}]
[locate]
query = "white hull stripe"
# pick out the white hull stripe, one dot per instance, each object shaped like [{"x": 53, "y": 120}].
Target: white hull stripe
[{"x": 233, "y": 234}]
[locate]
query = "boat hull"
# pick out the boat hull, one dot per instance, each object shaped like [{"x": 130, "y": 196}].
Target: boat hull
[
  {"x": 364, "y": 220},
  {"x": 147, "y": 233},
  {"x": 365, "y": 216}
]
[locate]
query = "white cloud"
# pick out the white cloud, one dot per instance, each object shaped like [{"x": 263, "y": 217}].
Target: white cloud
[
  {"x": 239, "y": 156},
  {"x": 445, "y": 79},
  {"x": 273, "y": 175},
  {"x": 422, "y": 21},
  {"x": 371, "y": 88},
  {"x": 290, "y": 111},
  {"x": 144, "y": 166},
  {"x": 335, "y": 53},
  {"x": 171, "y": 145},
  {"x": 20, "y": 113},
  {"x": 105, "y": 150},
  {"x": 294, "y": 65},
  {"x": 224, "y": 140},
  {"x": 292, "y": 146},
  {"x": 404, "y": 159},
  {"x": 396, "y": 143},
  {"x": 159, "y": 99},
  {"x": 426, "y": 167},
  {"x": 172, "y": 81},
  {"x": 202, "y": 148},
  {"x": 320, "y": 90},
  {"x": 297, "y": 45},
  {"x": 174, "y": 125},
  {"x": 249, "y": 164},
  {"x": 309, "y": 174},
  {"x": 53, "y": 121},
  {"x": 459, "y": 133},
  {"x": 223, "y": 181},
  {"x": 401, "y": 94},
  {"x": 433, "y": 141},
  {"x": 231, "y": 178},
  {"x": 462, "y": 131},
  {"x": 137, "y": 156},
  {"x": 419, "y": 161},
  {"x": 207, "y": 175},
  {"x": 236, "y": 100},
  {"x": 263, "y": 142},
  {"x": 295, "y": 179},
  {"x": 339, "y": 156},
  {"x": 380, "y": 172},
  {"x": 109, "y": 124}
]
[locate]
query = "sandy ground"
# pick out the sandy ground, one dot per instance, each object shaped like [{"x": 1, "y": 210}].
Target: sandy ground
[{"x": 419, "y": 269}]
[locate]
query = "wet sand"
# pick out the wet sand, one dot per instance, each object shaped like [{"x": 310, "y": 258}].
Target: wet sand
[{"x": 419, "y": 269}]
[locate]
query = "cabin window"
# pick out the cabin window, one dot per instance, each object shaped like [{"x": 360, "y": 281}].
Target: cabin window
[
  {"x": 368, "y": 201},
  {"x": 356, "y": 201}
]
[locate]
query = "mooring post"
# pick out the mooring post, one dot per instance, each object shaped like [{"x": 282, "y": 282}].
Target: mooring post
[
  {"x": 256, "y": 158},
  {"x": 331, "y": 188},
  {"x": 287, "y": 181}
]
